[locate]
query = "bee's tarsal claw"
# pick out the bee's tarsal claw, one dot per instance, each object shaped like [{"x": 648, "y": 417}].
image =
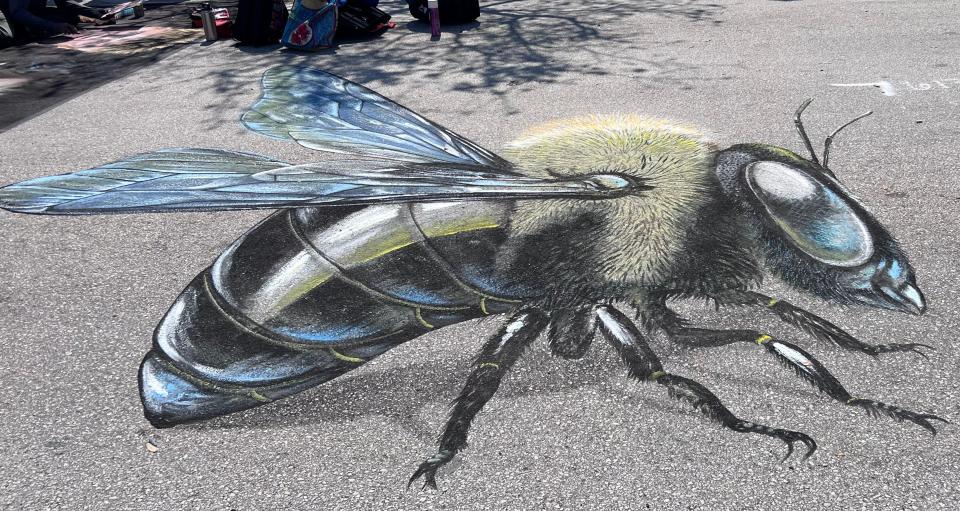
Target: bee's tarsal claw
[
  {"x": 876, "y": 408},
  {"x": 428, "y": 469},
  {"x": 903, "y": 347}
]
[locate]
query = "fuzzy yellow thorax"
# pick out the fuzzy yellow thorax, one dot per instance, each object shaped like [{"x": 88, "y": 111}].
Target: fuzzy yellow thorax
[{"x": 641, "y": 235}]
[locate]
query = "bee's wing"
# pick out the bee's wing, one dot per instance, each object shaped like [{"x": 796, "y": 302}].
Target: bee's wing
[
  {"x": 215, "y": 180},
  {"x": 328, "y": 113}
]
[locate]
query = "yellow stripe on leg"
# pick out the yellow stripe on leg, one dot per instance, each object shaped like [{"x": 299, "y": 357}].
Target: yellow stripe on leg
[
  {"x": 763, "y": 339},
  {"x": 772, "y": 302}
]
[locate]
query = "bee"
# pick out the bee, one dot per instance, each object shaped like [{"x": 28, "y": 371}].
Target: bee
[{"x": 416, "y": 228}]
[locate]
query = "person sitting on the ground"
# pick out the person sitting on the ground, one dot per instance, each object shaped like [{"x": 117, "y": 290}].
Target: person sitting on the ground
[{"x": 30, "y": 19}]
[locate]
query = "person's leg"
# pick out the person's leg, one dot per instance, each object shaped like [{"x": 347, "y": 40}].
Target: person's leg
[{"x": 55, "y": 16}]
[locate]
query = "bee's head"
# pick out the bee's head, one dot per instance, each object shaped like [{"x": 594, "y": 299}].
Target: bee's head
[{"x": 817, "y": 236}]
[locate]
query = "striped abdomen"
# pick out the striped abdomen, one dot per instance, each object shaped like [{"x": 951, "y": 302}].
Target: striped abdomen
[{"x": 309, "y": 294}]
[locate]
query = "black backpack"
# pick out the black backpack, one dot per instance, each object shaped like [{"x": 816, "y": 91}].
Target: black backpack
[
  {"x": 260, "y": 21},
  {"x": 451, "y": 11},
  {"x": 356, "y": 20}
]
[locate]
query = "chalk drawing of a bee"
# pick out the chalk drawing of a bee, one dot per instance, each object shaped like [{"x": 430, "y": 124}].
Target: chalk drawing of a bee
[{"x": 420, "y": 228}]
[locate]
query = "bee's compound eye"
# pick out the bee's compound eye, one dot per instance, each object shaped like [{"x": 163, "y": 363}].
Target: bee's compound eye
[
  {"x": 818, "y": 220},
  {"x": 781, "y": 181}
]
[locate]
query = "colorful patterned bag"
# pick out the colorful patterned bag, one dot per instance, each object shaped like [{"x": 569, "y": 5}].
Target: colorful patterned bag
[{"x": 312, "y": 25}]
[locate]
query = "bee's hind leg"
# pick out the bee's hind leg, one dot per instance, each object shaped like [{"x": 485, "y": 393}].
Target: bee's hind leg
[
  {"x": 494, "y": 360},
  {"x": 814, "y": 325},
  {"x": 789, "y": 355},
  {"x": 642, "y": 364}
]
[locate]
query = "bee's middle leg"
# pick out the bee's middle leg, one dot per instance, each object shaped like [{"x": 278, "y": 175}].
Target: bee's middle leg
[
  {"x": 492, "y": 363},
  {"x": 571, "y": 331},
  {"x": 644, "y": 365},
  {"x": 789, "y": 355}
]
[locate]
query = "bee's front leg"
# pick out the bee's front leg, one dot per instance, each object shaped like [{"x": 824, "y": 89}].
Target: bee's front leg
[
  {"x": 644, "y": 365},
  {"x": 819, "y": 328},
  {"x": 789, "y": 355},
  {"x": 494, "y": 360}
]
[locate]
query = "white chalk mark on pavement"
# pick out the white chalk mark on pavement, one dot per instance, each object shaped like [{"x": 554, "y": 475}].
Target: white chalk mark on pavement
[{"x": 885, "y": 87}]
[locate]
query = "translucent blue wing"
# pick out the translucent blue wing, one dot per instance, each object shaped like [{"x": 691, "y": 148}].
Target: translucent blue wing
[
  {"x": 161, "y": 179},
  {"x": 215, "y": 180},
  {"x": 329, "y": 113}
]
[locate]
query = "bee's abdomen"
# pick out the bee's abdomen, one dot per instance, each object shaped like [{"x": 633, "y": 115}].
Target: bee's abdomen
[
  {"x": 208, "y": 359},
  {"x": 342, "y": 276},
  {"x": 467, "y": 240},
  {"x": 381, "y": 251},
  {"x": 310, "y": 294}
]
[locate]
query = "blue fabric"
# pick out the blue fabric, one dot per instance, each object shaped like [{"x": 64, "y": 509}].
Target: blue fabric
[{"x": 310, "y": 29}]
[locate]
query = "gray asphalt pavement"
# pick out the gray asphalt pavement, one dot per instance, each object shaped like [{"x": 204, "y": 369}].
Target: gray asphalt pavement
[{"x": 81, "y": 296}]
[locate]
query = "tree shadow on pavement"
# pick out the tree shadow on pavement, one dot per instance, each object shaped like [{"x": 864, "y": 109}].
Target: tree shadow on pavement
[{"x": 515, "y": 45}]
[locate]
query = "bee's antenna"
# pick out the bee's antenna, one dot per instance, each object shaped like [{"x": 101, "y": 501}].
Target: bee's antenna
[
  {"x": 829, "y": 140},
  {"x": 803, "y": 132}
]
